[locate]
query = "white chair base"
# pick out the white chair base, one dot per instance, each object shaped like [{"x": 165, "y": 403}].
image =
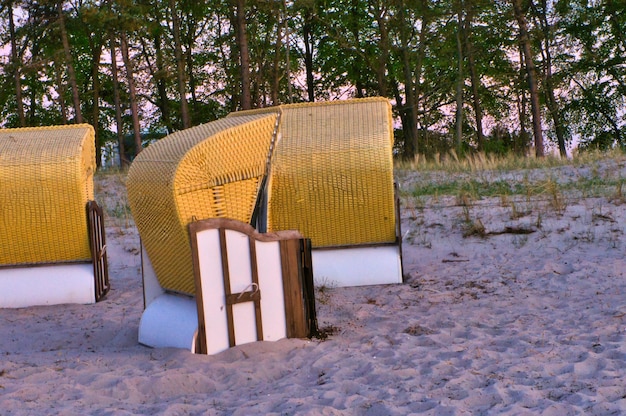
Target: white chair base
[
  {"x": 169, "y": 321},
  {"x": 21, "y": 287},
  {"x": 357, "y": 266}
]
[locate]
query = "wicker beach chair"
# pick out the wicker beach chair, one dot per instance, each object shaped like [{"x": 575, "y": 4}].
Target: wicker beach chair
[
  {"x": 52, "y": 242},
  {"x": 210, "y": 171},
  {"x": 323, "y": 169}
]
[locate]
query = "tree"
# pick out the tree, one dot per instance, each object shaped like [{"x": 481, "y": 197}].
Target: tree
[
  {"x": 531, "y": 75},
  {"x": 16, "y": 66},
  {"x": 308, "y": 22},
  {"x": 547, "y": 73},
  {"x": 124, "y": 162},
  {"x": 180, "y": 65},
  {"x": 132, "y": 91},
  {"x": 411, "y": 75},
  {"x": 69, "y": 62},
  {"x": 194, "y": 61},
  {"x": 239, "y": 20},
  {"x": 473, "y": 71},
  {"x": 460, "y": 83},
  {"x": 596, "y": 69}
]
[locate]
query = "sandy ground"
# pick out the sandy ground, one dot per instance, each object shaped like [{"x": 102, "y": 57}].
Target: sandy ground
[{"x": 525, "y": 314}]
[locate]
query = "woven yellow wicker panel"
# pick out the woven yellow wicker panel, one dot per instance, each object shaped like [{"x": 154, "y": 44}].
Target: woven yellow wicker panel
[
  {"x": 331, "y": 174},
  {"x": 209, "y": 171},
  {"x": 46, "y": 180}
]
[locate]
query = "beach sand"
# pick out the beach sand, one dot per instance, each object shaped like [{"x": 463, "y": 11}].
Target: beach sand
[{"x": 525, "y": 314}]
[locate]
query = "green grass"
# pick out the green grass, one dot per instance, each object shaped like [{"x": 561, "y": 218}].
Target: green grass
[{"x": 474, "y": 188}]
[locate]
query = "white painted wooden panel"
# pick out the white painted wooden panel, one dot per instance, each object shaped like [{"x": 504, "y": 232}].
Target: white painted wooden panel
[
  {"x": 213, "y": 300},
  {"x": 272, "y": 293},
  {"x": 244, "y": 317}
]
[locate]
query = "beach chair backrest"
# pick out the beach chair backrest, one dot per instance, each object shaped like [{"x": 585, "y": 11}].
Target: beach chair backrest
[
  {"x": 46, "y": 181},
  {"x": 210, "y": 171}
]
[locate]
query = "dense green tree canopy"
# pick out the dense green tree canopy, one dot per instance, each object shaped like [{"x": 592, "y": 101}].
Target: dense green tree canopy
[{"x": 464, "y": 74}]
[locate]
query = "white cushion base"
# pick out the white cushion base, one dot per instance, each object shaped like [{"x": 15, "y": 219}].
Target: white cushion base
[
  {"x": 47, "y": 285},
  {"x": 357, "y": 266},
  {"x": 169, "y": 321}
]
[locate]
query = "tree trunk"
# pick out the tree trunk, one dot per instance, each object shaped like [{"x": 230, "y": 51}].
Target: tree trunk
[
  {"x": 180, "y": 66},
  {"x": 358, "y": 64},
  {"x": 164, "y": 102},
  {"x": 460, "y": 82},
  {"x": 61, "y": 92},
  {"x": 475, "y": 79},
  {"x": 553, "y": 106},
  {"x": 288, "y": 57},
  {"x": 69, "y": 62},
  {"x": 531, "y": 73},
  {"x": 276, "y": 73},
  {"x": 118, "y": 108},
  {"x": 244, "y": 54},
  {"x": 16, "y": 68},
  {"x": 96, "y": 52},
  {"x": 159, "y": 75},
  {"x": 190, "y": 65},
  {"x": 31, "y": 115},
  {"x": 192, "y": 83},
  {"x": 409, "y": 125},
  {"x": 383, "y": 45},
  {"x": 522, "y": 105},
  {"x": 307, "y": 34},
  {"x": 131, "y": 89}
]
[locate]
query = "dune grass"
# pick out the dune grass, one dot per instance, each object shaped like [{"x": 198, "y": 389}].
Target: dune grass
[
  {"x": 481, "y": 176},
  {"x": 478, "y": 162},
  {"x": 110, "y": 193}
]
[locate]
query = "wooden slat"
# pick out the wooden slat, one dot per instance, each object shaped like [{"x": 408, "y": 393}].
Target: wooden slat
[
  {"x": 201, "y": 346},
  {"x": 255, "y": 281},
  {"x": 308, "y": 288},
  {"x": 243, "y": 297},
  {"x": 98, "y": 250},
  {"x": 294, "y": 308},
  {"x": 227, "y": 291}
]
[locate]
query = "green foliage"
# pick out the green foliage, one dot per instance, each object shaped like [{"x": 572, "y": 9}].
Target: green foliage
[{"x": 404, "y": 50}]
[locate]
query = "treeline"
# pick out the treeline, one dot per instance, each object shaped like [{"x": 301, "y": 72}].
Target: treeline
[{"x": 499, "y": 76}]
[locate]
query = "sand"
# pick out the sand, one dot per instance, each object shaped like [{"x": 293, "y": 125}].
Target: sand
[{"x": 526, "y": 315}]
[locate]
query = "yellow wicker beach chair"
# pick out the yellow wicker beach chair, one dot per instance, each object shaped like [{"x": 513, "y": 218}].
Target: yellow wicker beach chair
[
  {"x": 210, "y": 171},
  {"x": 323, "y": 169},
  {"x": 51, "y": 231},
  {"x": 214, "y": 170}
]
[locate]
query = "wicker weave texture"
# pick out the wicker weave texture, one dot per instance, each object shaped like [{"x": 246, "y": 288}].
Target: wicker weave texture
[
  {"x": 331, "y": 174},
  {"x": 46, "y": 180},
  {"x": 209, "y": 171}
]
